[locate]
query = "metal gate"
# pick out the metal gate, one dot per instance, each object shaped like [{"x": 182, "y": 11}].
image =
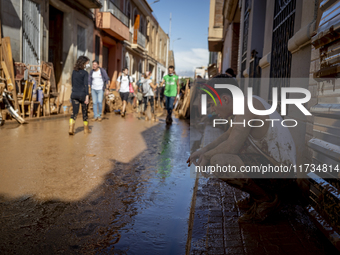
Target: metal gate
[
  {"x": 283, "y": 30},
  {"x": 245, "y": 40},
  {"x": 31, "y": 33}
]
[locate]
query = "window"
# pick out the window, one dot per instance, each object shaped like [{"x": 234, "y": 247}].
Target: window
[
  {"x": 164, "y": 52},
  {"x": 127, "y": 61},
  {"x": 97, "y": 48},
  {"x": 160, "y": 49},
  {"x": 81, "y": 41},
  {"x": 141, "y": 26},
  {"x": 128, "y": 10},
  {"x": 135, "y": 13}
]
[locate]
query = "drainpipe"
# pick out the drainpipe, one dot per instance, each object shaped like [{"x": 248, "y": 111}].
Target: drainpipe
[{"x": 167, "y": 55}]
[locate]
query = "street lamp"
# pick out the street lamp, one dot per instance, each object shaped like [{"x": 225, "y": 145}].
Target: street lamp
[{"x": 174, "y": 41}]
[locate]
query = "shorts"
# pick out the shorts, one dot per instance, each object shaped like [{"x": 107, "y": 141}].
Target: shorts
[{"x": 124, "y": 96}]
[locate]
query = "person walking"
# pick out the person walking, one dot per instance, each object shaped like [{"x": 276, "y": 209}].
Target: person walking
[
  {"x": 171, "y": 91},
  {"x": 149, "y": 96},
  {"x": 140, "y": 108},
  {"x": 123, "y": 87},
  {"x": 99, "y": 81},
  {"x": 80, "y": 93},
  {"x": 161, "y": 94}
]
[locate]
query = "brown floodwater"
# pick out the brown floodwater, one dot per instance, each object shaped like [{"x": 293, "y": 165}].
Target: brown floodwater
[{"x": 124, "y": 189}]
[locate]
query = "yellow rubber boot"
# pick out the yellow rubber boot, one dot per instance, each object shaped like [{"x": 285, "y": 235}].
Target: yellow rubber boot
[
  {"x": 86, "y": 128},
  {"x": 71, "y": 128}
]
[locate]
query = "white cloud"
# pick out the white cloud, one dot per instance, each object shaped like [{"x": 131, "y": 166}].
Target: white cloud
[{"x": 187, "y": 61}]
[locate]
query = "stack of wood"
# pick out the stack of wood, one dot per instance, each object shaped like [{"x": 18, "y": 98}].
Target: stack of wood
[
  {"x": 182, "y": 107},
  {"x": 25, "y": 92},
  {"x": 7, "y": 78}
]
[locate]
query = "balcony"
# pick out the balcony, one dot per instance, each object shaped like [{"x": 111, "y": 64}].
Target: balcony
[
  {"x": 108, "y": 22},
  {"x": 141, "y": 39},
  {"x": 118, "y": 13},
  {"x": 91, "y": 4}
]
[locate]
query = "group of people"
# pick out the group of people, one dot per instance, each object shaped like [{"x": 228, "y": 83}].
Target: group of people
[
  {"x": 146, "y": 92},
  {"x": 99, "y": 82}
]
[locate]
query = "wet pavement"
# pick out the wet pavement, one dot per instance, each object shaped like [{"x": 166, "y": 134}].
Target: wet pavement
[
  {"x": 215, "y": 229},
  {"x": 124, "y": 189}
]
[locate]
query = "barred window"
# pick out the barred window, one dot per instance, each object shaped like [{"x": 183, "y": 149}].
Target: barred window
[{"x": 81, "y": 41}]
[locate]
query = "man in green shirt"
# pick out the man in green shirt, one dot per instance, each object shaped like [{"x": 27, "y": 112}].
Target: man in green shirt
[{"x": 171, "y": 91}]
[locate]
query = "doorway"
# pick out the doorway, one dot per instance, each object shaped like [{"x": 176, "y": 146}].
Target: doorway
[
  {"x": 151, "y": 67},
  {"x": 55, "y": 41},
  {"x": 106, "y": 58}
]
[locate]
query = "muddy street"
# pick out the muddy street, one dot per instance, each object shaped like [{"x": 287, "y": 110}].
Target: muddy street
[{"x": 125, "y": 188}]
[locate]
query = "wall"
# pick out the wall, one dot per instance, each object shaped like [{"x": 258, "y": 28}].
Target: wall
[
  {"x": 267, "y": 48},
  {"x": 300, "y": 68},
  {"x": 11, "y": 13},
  {"x": 227, "y": 48},
  {"x": 73, "y": 18}
]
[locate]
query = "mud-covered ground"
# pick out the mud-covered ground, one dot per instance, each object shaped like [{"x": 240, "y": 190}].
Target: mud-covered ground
[{"x": 125, "y": 188}]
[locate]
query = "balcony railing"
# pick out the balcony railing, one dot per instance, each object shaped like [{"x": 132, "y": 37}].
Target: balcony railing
[
  {"x": 118, "y": 13},
  {"x": 141, "y": 39}
]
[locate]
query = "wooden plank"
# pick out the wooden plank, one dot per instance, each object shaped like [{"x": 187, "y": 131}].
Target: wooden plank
[
  {"x": 7, "y": 75},
  {"x": 8, "y": 59}
]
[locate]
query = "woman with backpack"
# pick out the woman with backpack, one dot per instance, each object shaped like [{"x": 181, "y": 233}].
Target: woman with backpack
[
  {"x": 140, "y": 108},
  {"x": 147, "y": 88}
]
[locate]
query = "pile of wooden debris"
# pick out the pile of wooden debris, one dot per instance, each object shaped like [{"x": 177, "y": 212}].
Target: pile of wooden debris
[{"x": 25, "y": 90}]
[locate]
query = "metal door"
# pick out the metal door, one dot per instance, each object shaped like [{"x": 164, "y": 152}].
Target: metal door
[
  {"x": 31, "y": 32},
  {"x": 105, "y": 58},
  {"x": 247, "y": 6}
]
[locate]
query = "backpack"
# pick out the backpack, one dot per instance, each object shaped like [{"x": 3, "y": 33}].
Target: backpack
[
  {"x": 145, "y": 87},
  {"x": 121, "y": 77}
]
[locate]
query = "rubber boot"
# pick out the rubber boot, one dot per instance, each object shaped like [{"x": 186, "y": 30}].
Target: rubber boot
[
  {"x": 153, "y": 117},
  {"x": 71, "y": 128},
  {"x": 86, "y": 128}
]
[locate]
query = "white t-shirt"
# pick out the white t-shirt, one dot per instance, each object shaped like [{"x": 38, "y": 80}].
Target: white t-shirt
[
  {"x": 124, "y": 83},
  {"x": 150, "y": 92},
  {"x": 97, "y": 80}
]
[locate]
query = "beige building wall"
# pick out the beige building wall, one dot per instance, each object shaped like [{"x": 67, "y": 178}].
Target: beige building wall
[
  {"x": 300, "y": 47},
  {"x": 12, "y": 12},
  {"x": 72, "y": 18}
]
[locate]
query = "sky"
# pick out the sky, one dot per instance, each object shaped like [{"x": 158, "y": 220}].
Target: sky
[{"x": 190, "y": 22}]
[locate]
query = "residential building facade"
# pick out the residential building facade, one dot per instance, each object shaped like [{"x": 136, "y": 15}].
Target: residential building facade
[
  {"x": 296, "y": 40},
  {"x": 56, "y": 31},
  {"x": 111, "y": 30},
  {"x": 116, "y": 33}
]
